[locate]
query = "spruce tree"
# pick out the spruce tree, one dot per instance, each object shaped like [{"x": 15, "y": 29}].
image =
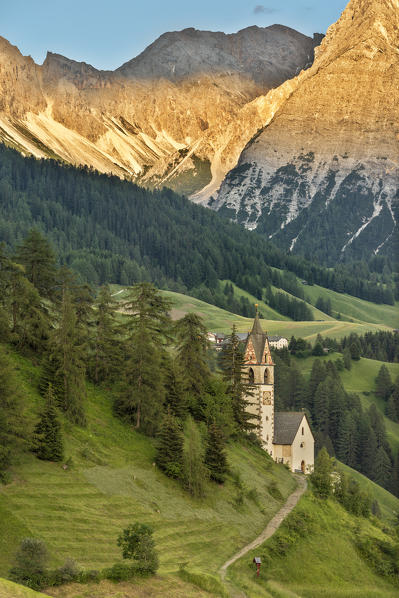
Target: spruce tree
[
  {"x": 47, "y": 440},
  {"x": 215, "y": 455},
  {"x": 317, "y": 375},
  {"x": 355, "y": 350},
  {"x": 347, "y": 358},
  {"x": 106, "y": 343},
  {"x": 145, "y": 332},
  {"x": 238, "y": 387},
  {"x": 175, "y": 397},
  {"x": 169, "y": 455},
  {"x": 12, "y": 422},
  {"x": 382, "y": 468},
  {"x": 38, "y": 259},
  {"x": 65, "y": 364},
  {"x": 383, "y": 383},
  {"x": 192, "y": 347},
  {"x": 321, "y": 404}
]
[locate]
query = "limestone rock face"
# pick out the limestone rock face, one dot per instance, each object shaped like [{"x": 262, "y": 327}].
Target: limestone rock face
[
  {"x": 175, "y": 115},
  {"x": 322, "y": 176}
]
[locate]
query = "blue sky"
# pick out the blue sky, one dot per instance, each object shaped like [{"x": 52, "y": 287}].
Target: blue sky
[{"x": 107, "y": 33}]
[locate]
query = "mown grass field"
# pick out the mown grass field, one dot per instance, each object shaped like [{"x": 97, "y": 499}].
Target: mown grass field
[
  {"x": 320, "y": 560},
  {"x": 8, "y": 589},
  {"x": 354, "y": 308},
  {"x": 219, "y": 320},
  {"x": 80, "y": 511},
  {"x": 360, "y": 379}
]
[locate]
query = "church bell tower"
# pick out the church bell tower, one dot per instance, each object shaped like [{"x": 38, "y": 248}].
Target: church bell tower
[{"x": 259, "y": 371}]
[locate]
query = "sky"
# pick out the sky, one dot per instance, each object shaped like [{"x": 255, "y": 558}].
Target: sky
[{"x": 108, "y": 33}]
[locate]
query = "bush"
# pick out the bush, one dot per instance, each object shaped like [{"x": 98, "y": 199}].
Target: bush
[
  {"x": 31, "y": 564},
  {"x": 67, "y": 573},
  {"x": 120, "y": 572},
  {"x": 138, "y": 545},
  {"x": 274, "y": 491},
  {"x": 90, "y": 576}
]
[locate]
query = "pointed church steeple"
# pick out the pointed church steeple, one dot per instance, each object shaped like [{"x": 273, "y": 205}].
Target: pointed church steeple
[{"x": 257, "y": 348}]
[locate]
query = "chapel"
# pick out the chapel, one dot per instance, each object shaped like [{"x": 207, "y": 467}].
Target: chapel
[{"x": 286, "y": 436}]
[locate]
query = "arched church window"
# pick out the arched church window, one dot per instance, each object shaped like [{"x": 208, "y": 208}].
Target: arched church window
[
  {"x": 266, "y": 377},
  {"x": 251, "y": 376}
]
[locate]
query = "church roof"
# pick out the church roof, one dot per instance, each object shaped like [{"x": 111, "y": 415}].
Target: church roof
[
  {"x": 286, "y": 424},
  {"x": 258, "y": 338}
]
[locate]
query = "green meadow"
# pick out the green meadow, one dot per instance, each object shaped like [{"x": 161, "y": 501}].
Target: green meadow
[
  {"x": 315, "y": 554},
  {"x": 111, "y": 481}
]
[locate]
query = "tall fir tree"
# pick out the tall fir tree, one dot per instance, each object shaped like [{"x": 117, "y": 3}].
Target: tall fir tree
[
  {"x": 145, "y": 333},
  {"x": 13, "y": 424},
  {"x": 317, "y": 375},
  {"x": 382, "y": 468},
  {"x": 215, "y": 454},
  {"x": 66, "y": 364},
  {"x": 192, "y": 347},
  {"x": 37, "y": 256},
  {"x": 383, "y": 383},
  {"x": 169, "y": 456},
  {"x": 47, "y": 441},
  {"x": 175, "y": 396},
  {"x": 239, "y": 388},
  {"x": 106, "y": 342}
]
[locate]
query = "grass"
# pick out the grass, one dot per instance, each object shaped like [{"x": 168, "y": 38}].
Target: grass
[
  {"x": 220, "y": 320},
  {"x": 8, "y": 589},
  {"x": 389, "y": 504},
  {"x": 80, "y": 511},
  {"x": 314, "y": 555},
  {"x": 357, "y": 309}
]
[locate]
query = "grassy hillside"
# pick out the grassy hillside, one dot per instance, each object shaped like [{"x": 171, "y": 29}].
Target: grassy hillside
[
  {"x": 354, "y": 308},
  {"x": 8, "y": 589},
  {"x": 220, "y": 320},
  {"x": 361, "y": 380},
  {"x": 112, "y": 482},
  {"x": 314, "y": 555},
  {"x": 389, "y": 504}
]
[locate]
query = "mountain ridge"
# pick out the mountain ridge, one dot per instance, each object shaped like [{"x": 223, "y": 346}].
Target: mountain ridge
[{"x": 325, "y": 163}]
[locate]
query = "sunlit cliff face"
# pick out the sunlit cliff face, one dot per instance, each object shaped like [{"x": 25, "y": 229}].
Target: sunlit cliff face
[
  {"x": 178, "y": 114},
  {"x": 332, "y": 146}
]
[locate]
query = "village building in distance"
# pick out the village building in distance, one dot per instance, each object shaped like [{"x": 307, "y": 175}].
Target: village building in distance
[{"x": 286, "y": 436}]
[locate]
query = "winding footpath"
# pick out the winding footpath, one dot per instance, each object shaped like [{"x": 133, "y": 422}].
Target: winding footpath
[{"x": 269, "y": 530}]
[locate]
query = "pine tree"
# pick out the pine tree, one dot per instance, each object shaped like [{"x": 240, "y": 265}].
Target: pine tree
[
  {"x": 175, "y": 397},
  {"x": 317, "y": 375},
  {"x": 383, "y": 383},
  {"x": 347, "y": 358},
  {"x": 234, "y": 373},
  {"x": 192, "y": 347},
  {"x": 38, "y": 259},
  {"x": 65, "y": 364},
  {"x": 169, "y": 455},
  {"x": 195, "y": 473},
  {"x": 321, "y": 404},
  {"x": 215, "y": 455},
  {"x": 382, "y": 468},
  {"x": 145, "y": 333},
  {"x": 12, "y": 421},
  {"x": 321, "y": 477},
  {"x": 106, "y": 343},
  {"x": 47, "y": 440},
  {"x": 390, "y": 409},
  {"x": 355, "y": 350}
]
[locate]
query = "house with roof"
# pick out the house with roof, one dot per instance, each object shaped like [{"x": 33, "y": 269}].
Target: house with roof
[
  {"x": 278, "y": 342},
  {"x": 286, "y": 436}
]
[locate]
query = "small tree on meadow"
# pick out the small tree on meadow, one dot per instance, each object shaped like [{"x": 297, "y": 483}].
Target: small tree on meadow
[
  {"x": 321, "y": 477},
  {"x": 31, "y": 562},
  {"x": 138, "y": 545},
  {"x": 383, "y": 383}
]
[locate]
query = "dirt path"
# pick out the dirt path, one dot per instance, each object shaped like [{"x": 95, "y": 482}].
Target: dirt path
[{"x": 269, "y": 530}]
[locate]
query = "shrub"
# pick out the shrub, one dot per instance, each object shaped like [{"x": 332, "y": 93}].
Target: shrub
[
  {"x": 90, "y": 576},
  {"x": 274, "y": 491},
  {"x": 120, "y": 572},
  {"x": 31, "y": 564},
  {"x": 138, "y": 545},
  {"x": 67, "y": 573}
]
